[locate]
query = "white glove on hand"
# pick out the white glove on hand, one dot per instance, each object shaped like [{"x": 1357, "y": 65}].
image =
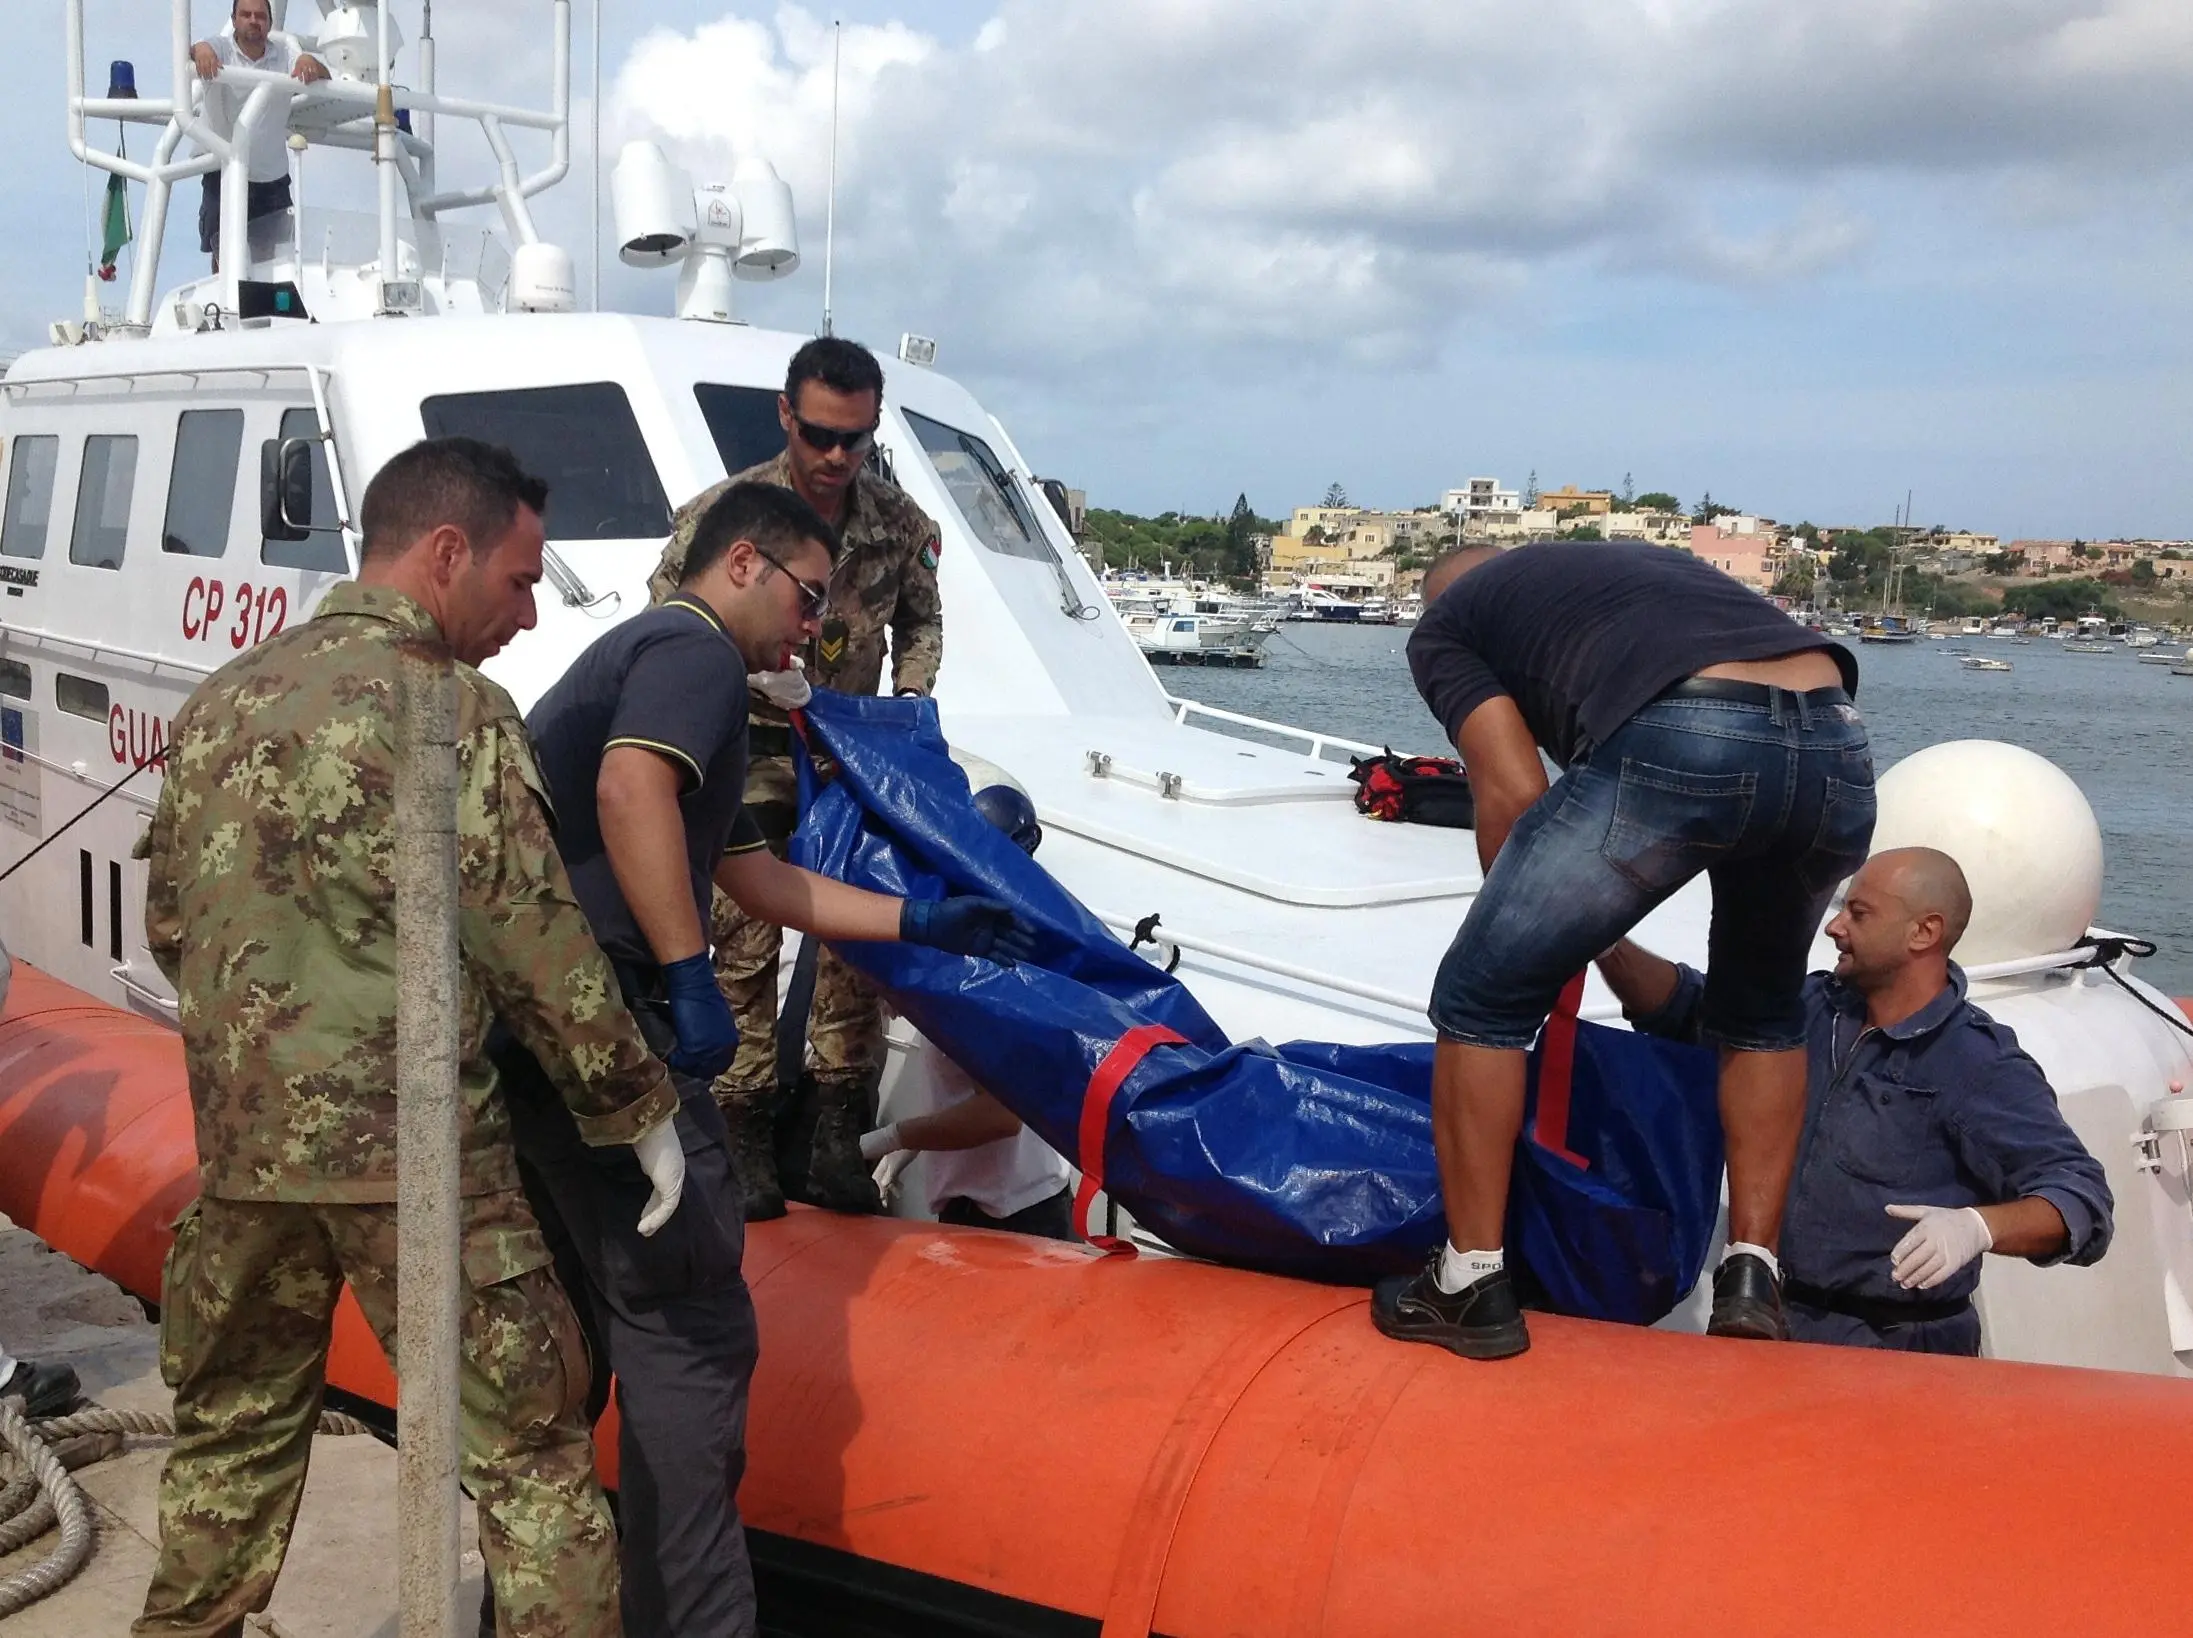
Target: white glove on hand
[
  {"x": 787, "y": 688},
  {"x": 662, "y": 1158},
  {"x": 1942, "y": 1240},
  {"x": 890, "y": 1168}
]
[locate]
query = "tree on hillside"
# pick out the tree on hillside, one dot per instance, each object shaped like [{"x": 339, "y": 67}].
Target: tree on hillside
[
  {"x": 1241, "y": 532},
  {"x": 1658, "y": 500},
  {"x": 1335, "y": 495},
  {"x": 1530, "y": 490},
  {"x": 1709, "y": 509},
  {"x": 2065, "y": 599},
  {"x": 1627, "y": 489},
  {"x": 1796, "y": 580}
]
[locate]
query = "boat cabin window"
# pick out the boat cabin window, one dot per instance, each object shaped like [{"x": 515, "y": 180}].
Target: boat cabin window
[
  {"x": 982, "y": 489},
  {"x": 322, "y": 546},
  {"x": 742, "y": 422},
  {"x": 103, "y": 489},
  {"x": 202, "y": 482},
  {"x": 582, "y": 440},
  {"x": 15, "y": 679},
  {"x": 30, "y": 495},
  {"x": 80, "y": 696}
]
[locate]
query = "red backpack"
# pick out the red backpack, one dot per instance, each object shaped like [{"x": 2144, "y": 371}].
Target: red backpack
[{"x": 1417, "y": 790}]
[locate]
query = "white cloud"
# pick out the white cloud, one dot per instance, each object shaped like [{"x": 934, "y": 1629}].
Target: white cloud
[{"x": 1088, "y": 175}]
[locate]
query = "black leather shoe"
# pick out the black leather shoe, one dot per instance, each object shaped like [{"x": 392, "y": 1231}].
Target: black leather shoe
[
  {"x": 45, "y": 1390},
  {"x": 1747, "y": 1301},
  {"x": 1481, "y": 1321}
]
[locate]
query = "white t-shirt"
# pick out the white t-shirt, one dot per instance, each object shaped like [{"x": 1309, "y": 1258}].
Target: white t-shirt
[
  {"x": 270, "y": 144},
  {"x": 1009, "y": 1175}
]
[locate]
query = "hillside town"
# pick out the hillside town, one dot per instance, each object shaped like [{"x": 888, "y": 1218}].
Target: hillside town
[{"x": 1337, "y": 552}]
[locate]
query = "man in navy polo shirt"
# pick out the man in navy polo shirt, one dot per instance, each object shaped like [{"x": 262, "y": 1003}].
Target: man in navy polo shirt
[{"x": 642, "y": 745}]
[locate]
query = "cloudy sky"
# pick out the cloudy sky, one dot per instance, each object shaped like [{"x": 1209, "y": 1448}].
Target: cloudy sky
[{"x": 1807, "y": 254}]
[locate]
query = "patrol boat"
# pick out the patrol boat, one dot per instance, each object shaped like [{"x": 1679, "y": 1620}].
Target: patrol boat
[{"x": 181, "y": 480}]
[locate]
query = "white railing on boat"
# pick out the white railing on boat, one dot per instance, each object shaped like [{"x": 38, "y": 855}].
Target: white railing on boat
[
  {"x": 1603, "y": 1013},
  {"x": 1317, "y": 742}
]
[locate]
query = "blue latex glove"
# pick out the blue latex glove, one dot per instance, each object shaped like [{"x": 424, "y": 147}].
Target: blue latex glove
[
  {"x": 968, "y": 926},
  {"x": 707, "y": 1035}
]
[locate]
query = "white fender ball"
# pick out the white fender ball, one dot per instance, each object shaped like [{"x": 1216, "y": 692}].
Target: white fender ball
[{"x": 2022, "y": 831}]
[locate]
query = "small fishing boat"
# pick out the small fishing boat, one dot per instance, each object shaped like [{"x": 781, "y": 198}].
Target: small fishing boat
[{"x": 1983, "y": 662}]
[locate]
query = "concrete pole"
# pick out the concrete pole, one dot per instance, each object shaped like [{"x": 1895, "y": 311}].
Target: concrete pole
[{"x": 428, "y": 1282}]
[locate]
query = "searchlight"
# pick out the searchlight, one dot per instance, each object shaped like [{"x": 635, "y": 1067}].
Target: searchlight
[{"x": 743, "y": 229}]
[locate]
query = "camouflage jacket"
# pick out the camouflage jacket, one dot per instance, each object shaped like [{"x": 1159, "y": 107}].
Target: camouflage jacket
[
  {"x": 885, "y": 579},
  {"x": 271, "y": 908}
]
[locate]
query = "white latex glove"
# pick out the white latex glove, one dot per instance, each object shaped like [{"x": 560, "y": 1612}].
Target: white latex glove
[
  {"x": 890, "y": 1168},
  {"x": 787, "y": 688},
  {"x": 1942, "y": 1240},
  {"x": 662, "y": 1158}
]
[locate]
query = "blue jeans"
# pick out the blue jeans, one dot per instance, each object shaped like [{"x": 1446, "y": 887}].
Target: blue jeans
[{"x": 1767, "y": 791}]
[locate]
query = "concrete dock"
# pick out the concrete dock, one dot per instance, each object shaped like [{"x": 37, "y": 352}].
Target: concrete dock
[{"x": 340, "y": 1580}]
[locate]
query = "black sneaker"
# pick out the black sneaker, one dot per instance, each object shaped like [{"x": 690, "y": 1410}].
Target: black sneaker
[
  {"x": 1481, "y": 1321},
  {"x": 1747, "y": 1301},
  {"x": 45, "y": 1390}
]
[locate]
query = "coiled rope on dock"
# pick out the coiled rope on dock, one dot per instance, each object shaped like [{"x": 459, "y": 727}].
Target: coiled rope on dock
[{"x": 37, "y": 1492}]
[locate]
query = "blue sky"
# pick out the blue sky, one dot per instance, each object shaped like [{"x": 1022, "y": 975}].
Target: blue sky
[{"x": 1807, "y": 254}]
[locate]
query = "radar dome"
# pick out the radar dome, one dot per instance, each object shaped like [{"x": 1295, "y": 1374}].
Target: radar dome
[{"x": 2020, "y": 829}]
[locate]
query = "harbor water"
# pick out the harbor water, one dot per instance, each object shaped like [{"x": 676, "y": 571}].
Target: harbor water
[{"x": 2116, "y": 726}]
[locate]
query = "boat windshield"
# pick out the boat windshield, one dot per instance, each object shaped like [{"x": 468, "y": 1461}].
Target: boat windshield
[
  {"x": 582, "y": 440},
  {"x": 995, "y": 507}
]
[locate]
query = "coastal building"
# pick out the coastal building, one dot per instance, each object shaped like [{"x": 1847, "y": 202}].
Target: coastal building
[
  {"x": 2046, "y": 557},
  {"x": 1742, "y": 557},
  {"x": 1481, "y": 505},
  {"x": 1571, "y": 502},
  {"x": 1661, "y": 528}
]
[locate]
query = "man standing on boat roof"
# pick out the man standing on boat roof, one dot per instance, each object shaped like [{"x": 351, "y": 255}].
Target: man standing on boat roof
[
  {"x": 1701, "y": 731},
  {"x": 1929, "y": 1138},
  {"x": 270, "y": 906},
  {"x": 643, "y": 744},
  {"x": 250, "y": 43},
  {"x": 884, "y": 581}
]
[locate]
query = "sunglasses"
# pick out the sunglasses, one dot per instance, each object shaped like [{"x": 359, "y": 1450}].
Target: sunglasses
[
  {"x": 825, "y": 439},
  {"x": 814, "y": 595}
]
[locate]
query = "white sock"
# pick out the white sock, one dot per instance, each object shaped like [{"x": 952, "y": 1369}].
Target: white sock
[
  {"x": 1748, "y": 1249},
  {"x": 1459, "y": 1270}
]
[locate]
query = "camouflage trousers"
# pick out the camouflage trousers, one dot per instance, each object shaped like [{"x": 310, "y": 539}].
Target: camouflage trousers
[
  {"x": 248, "y": 1301},
  {"x": 845, "y": 1026}
]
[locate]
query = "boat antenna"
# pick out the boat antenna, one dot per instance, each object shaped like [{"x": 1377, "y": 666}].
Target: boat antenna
[
  {"x": 594, "y": 152},
  {"x": 830, "y": 218}
]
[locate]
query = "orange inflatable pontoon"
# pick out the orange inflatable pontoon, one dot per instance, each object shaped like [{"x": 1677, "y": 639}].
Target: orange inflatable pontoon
[{"x": 961, "y": 1431}]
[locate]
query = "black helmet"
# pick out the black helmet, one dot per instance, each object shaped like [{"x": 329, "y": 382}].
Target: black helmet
[{"x": 1009, "y": 809}]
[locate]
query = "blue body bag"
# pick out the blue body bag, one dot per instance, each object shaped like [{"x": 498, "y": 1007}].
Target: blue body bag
[{"x": 1312, "y": 1160}]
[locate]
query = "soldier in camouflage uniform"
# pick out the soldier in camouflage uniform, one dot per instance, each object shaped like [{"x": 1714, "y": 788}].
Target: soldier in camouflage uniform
[
  {"x": 271, "y": 909},
  {"x": 885, "y": 580}
]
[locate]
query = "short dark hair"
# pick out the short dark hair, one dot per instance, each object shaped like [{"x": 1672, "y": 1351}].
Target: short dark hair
[
  {"x": 840, "y": 365},
  {"x": 476, "y": 486},
  {"x": 769, "y": 515}
]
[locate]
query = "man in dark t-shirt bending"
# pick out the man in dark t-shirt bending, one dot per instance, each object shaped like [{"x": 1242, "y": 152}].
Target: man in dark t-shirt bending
[
  {"x": 642, "y": 744},
  {"x": 1699, "y": 729}
]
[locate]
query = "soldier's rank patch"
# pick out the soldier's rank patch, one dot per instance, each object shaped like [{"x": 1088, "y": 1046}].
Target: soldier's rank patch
[
  {"x": 832, "y": 641},
  {"x": 929, "y": 556}
]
